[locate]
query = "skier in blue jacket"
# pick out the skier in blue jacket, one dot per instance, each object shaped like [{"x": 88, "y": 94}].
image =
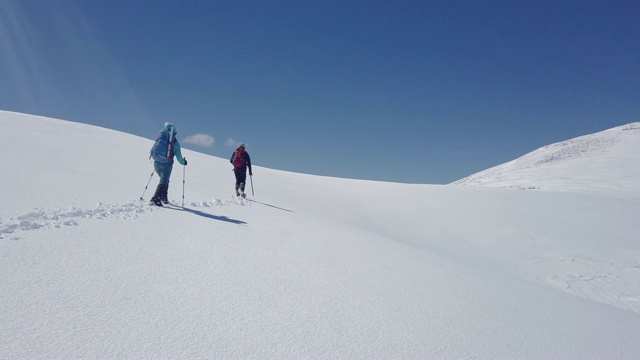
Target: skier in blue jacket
[{"x": 163, "y": 151}]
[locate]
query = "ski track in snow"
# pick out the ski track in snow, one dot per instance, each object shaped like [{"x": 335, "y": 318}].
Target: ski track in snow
[
  {"x": 615, "y": 283},
  {"x": 39, "y": 219}
]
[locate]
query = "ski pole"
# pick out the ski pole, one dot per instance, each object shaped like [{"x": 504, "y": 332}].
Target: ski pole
[
  {"x": 145, "y": 188},
  {"x": 251, "y": 178},
  {"x": 184, "y": 170}
]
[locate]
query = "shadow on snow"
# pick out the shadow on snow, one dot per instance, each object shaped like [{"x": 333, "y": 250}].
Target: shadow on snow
[
  {"x": 206, "y": 215},
  {"x": 273, "y": 206}
]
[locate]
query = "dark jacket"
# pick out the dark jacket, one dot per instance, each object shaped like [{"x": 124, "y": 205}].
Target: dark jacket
[{"x": 245, "y": 156}]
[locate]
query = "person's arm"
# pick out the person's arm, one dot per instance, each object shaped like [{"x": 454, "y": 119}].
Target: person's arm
[
  {"x": 248, "y": 158},
  {"x": 178, "y": 152}
]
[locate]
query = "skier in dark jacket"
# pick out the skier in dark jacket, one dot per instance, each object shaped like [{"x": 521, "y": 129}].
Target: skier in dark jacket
[
  {"x": 163, "y": 151},
  {"x": 241, "y": 161}
]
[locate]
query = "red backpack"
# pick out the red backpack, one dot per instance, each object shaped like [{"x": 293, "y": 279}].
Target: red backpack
[{"x": 238, "y": 158}]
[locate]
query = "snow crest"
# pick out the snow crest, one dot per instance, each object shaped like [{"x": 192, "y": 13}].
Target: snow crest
[{"x": 602, "y": 161}]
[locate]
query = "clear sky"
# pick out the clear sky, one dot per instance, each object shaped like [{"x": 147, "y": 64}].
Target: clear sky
[{"x": 406, "y": 91}]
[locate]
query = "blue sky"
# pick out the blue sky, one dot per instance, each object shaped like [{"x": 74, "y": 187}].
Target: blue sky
[{"x": 406, "y": 91}]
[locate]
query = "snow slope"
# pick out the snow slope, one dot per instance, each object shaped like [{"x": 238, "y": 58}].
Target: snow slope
[
  {"x": 604, "y": 161},
  {"x": 310, "y": 267}
]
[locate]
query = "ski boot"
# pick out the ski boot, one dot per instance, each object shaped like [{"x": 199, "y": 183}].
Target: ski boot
[{"x": 157, "y": 197}]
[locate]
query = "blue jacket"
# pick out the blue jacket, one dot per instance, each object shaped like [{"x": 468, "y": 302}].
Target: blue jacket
[{"x": 161, "y": 148}]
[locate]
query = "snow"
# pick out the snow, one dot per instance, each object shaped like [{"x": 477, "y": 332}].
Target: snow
[
  {"x": 313, "y": 267},
  {"x": 603, "y": 161}
]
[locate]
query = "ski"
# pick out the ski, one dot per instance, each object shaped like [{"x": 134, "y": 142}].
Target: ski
[{"x": 167, "y": 205}]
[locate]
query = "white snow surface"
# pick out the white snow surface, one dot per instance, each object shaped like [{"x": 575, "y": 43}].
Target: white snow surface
[
  {"x": 312, "y": 267},
  {"x": 604, "y": 161}
]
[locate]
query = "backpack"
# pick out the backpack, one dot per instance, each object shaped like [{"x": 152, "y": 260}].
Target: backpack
[
  {"x": 238, "y": 158},
  {"x": 162, "y": 150}
]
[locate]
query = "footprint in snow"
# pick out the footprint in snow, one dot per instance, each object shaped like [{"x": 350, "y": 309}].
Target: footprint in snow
[{"x": 57, "y": 218}]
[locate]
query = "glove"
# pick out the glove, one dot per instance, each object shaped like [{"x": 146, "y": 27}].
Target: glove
[
  {"x": 250, "y": 173},
  {"x": 185, "y": 161}
]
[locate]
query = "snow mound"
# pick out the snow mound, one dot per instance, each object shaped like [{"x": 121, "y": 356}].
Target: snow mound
[{"x": 604, "y": 161}]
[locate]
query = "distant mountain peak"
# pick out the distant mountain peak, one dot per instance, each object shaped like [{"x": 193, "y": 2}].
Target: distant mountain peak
[{"x": 607, "y": 160}]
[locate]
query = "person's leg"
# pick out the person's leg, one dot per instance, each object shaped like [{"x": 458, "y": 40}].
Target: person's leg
[
  {"x": 242, "y": 177},
  {"x": 165, "y": 191},
  {"x": 236, "y": 173},
  {"x": 164, "y": 172}
]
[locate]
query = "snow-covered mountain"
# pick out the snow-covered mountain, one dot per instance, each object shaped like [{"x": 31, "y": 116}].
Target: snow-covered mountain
[
  {"x": 309, "y": 267},
  {"x": 607, "y": 160}
]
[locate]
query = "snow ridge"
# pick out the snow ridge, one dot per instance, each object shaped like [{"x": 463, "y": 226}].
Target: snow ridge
[{"x": 582, "y": 163}]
